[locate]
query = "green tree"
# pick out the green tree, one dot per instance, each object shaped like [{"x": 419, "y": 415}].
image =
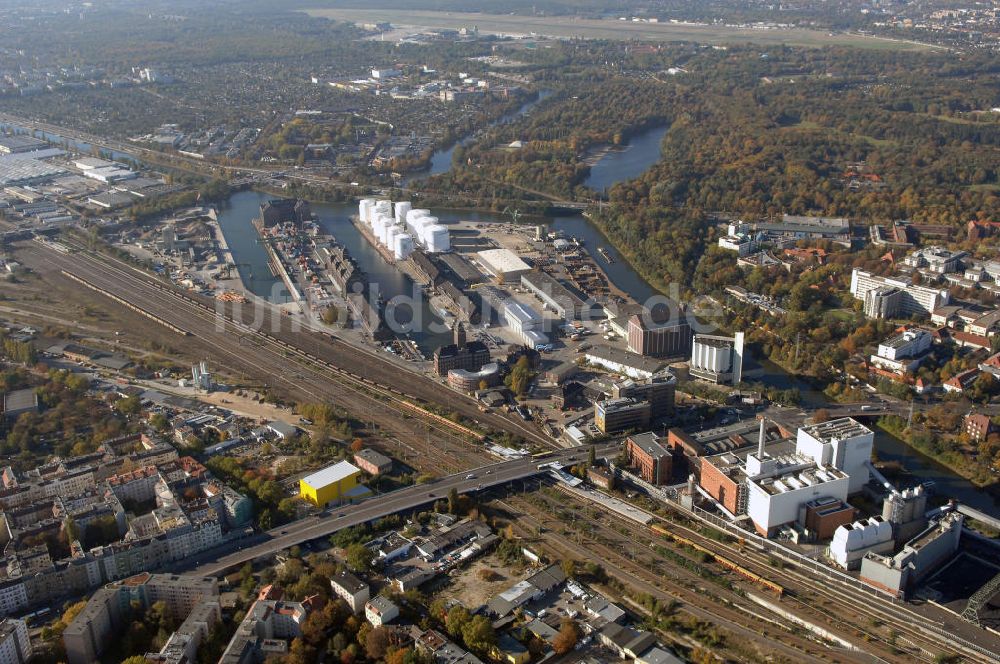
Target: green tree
[{"x": 359, "y": 557}]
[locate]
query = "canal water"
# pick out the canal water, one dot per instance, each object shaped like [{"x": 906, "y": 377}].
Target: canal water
[
  {"x": 627, "y": 162},
  {"x": 643, "y": 151},
  {"x": 441, "y": 159}
]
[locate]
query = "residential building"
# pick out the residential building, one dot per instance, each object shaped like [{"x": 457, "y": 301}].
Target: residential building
[
  {"x": 351, "y": 589},
  {"x": 978, "y": 427},
  {"x": 15, "y": 645},
  {"x": 87, "y": 636},
  {"x": 381, "y": 611},
  {"x": 265, "y": 631},
  {"x": 650, "y": 457},
  {"x": 888, "y": 297}
]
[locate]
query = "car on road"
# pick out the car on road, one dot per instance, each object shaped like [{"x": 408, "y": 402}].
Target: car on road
[
  {"x": 470, "y": 476},
  {"x": 488, "y": 472},
  {"x": 431, "y": 495}
]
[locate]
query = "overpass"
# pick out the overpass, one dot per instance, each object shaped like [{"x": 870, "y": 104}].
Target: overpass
[
  {"x": 264, "y": 545},
  {"x": 982, "y": 517}
]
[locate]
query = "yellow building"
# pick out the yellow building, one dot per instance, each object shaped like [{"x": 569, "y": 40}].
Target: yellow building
[{"x": 336, "y": 483}]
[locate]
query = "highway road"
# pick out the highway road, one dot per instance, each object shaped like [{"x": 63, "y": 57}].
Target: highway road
[{"x": 212, "y": 563}]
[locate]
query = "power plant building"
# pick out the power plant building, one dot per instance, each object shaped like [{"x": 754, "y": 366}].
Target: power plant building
[
  {"x": 844, "y": 444},
  {"x": 921, "y": 556}
]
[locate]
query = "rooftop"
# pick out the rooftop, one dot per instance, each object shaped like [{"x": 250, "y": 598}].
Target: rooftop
[
  {"x": 649, "y": 442},
  {"x": 838, "y": 429},
  {"x": 502, "y": 260},
  {"x": 626, "y": 358},
  {"x": 18, "y": 400},
  {"x": 331, "y": 475}
]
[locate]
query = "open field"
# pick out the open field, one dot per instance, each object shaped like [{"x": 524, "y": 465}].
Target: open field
[{"x": 567, "y": 26}]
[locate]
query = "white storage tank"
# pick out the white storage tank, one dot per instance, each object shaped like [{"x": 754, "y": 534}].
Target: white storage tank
[
  {"x": 413, "y": 215},
  {"x": 379, "y": 228},
  {"x": 436, "y": 238},
  {"x": 402, "y": 207},
  {"x": 365, "y": 209},
  {"x": 402, "y": 246},
  {"x": 384, "y": 208},
  {"x": 390, "y": 236},
  {"x": 421, "y": 228}
]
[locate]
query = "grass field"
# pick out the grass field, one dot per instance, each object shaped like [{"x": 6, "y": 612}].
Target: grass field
[{"x": 567, "y": 26}]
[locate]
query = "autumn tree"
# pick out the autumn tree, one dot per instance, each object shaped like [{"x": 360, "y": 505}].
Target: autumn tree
[{"x": 567, "y": 637}]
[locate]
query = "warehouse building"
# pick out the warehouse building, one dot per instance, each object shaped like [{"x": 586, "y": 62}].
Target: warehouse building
[
  {"x": 372, "y": 461},
  {"x": 524, "y": 322},
  {"x": 554, "y": 295},
  {"x": 336, "y": 483},
  {"x": 624, "y": 362},
  {"x": 503, "y": 264}
]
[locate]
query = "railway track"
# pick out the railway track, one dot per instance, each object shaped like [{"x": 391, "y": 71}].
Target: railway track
[
  {"x": 682, "y": 587},
  {"x": 402, "y": 388},
  {"x": 281, "y": 363},
  {"x": 927, "y": 637}
]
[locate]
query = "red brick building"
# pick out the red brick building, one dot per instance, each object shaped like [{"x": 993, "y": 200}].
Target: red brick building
[
  {"x": 825, "y": 515},
  {"x": 724, "y": 482},
  {"x": 647, "y": 455}
]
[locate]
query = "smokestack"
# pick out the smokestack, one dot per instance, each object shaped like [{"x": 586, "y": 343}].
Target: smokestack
[{"x": 760, "y": 443}]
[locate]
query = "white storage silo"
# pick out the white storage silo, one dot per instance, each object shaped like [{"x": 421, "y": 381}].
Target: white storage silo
[
  {"x": 402, "y": 246},
  {"x": 436, "y": 238}
]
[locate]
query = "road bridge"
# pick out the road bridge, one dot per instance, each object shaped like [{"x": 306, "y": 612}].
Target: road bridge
[{"x": 237, "y": 553}]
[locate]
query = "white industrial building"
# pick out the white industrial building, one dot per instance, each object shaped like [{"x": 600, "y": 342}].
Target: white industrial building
[
  {"x": 852, "y": 541},
  {"x": 503, "y": 264},
  {"x": 844, "y": 444},
  {"x": 524, "y": 322},
  {"x": 400, "y": 228},
  {"x": 900, "y": 353},
  {"x": 718, "y": 359},
  {"x": 778, "y": 488},
  {"x": 921, "y": 556}
]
